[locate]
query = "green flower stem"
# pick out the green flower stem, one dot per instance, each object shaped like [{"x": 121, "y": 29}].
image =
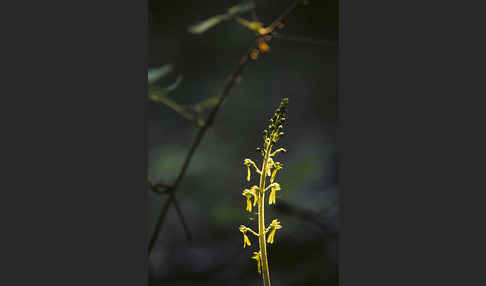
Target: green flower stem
[
  {"x": 261, "y": 219},
  {"x": 254, "y": 233}
]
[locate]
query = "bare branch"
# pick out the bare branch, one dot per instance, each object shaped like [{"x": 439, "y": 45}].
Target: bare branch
[
  {"x": 166, "y": 189},
  {"x": 181, "y": 217}
]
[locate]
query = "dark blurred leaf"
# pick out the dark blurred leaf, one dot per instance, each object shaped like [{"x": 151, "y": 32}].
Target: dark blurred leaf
[
  {"x": 207, "y": 24},
  {"x": 241, "y": 8},
  {"x": 205, "y": 104},
  {"x": 175, "y": 84},
  {"x": 162, "y": 95},
  {"x": 156, "y": 74}
]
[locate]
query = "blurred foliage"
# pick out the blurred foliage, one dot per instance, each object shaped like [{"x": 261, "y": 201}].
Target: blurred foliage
[
  {"x": 207, "y": 24},
  {"x": 154, "y": 75}
]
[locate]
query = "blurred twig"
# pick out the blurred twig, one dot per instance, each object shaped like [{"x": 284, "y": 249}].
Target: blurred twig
[
  {"x": 165, "y": 189},
  {"x": 181, "y": 217},
  {"x": 180, "y": 109},
  {"x": 187, "y": 112},
  {"x": 230, "y": 81},
  {"x": 207, "y": 24}
]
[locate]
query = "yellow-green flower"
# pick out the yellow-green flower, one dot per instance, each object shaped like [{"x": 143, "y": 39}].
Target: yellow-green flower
[
  {"x": 278, "y": 151},
  {"x": 275, "y": 187},
  {"x": 274, "y": 225},
  {"x": 270, "y": 164},
  {"x": 277, "y": 166},
  {"x": 254, "y": 191},
  {"x": 248, "y": 163},
  {"x": 249, "y": 193},
  {"x": 246, "y": 240},
  {"x": 267, "y": 141},
  {"x": 257, "y": 257}
]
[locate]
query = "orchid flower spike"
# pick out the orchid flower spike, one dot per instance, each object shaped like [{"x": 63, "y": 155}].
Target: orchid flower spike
[{"x": 246, "y": 240}]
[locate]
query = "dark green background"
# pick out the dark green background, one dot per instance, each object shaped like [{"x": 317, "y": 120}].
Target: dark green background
[{"x": 210, "y": 194}]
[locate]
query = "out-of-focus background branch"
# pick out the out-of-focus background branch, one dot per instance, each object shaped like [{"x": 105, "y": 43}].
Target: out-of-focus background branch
[{"x": 199, "y": 242}]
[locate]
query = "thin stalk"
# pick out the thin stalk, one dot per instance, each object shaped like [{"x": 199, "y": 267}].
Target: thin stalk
[{"x": 261, "y": 220}]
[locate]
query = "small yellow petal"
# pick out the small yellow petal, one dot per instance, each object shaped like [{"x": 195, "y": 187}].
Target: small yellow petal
[
  {"x": 272, "y": 178},
  {"x": 271, "y": 236},
  {"x": 248, "y": 204},
  {"x": 276, "y": 224},
  {"x": 246, "y": 241},
  {"x": 248, "y": 176},
  {"x": 256, "y": 256},
  {"x": 270, "y": 164},
  {"x": 271, "y": 199},
  {"x": 255, "y": 189}
]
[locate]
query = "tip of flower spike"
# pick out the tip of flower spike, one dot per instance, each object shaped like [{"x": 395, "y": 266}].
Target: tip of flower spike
[{"x": 276, "y": 126}]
